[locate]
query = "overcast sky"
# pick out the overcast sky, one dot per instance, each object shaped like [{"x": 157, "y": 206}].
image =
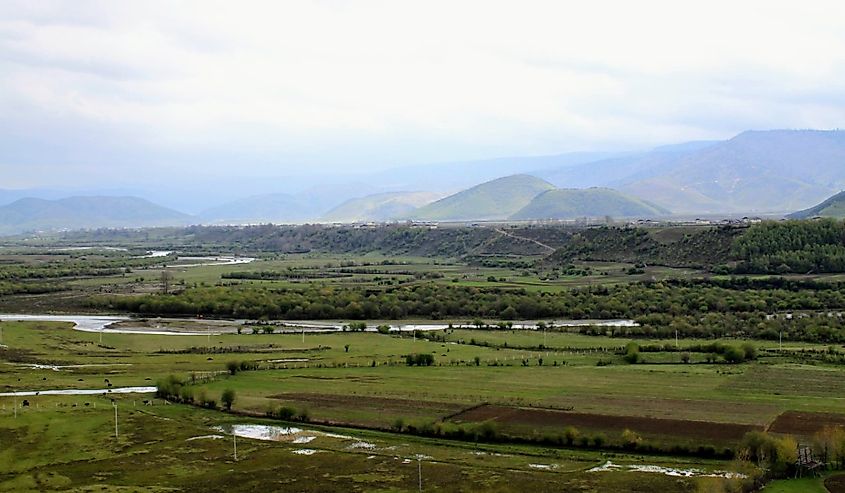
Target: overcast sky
[{"x": 94, "y": 93}]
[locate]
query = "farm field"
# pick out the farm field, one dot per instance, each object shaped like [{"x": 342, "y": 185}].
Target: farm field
[
  {"x": 342, "y": 388},
  {"x": 591, "y": 375}
]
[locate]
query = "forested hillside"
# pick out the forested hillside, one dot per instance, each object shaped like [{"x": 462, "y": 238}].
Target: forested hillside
[
  {"x": 798, "y": 247},
  {"x": 677, "y": 247},
  {"x": 792, "y": 247}
]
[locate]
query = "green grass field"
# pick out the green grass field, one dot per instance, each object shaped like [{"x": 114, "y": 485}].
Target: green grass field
[{"x": 526, "y": 386}]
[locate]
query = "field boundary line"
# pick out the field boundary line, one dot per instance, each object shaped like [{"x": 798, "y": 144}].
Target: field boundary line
[{"x": 464, "y": 410}]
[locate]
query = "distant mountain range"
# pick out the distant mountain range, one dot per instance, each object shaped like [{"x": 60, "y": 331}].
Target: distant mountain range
[
  {"x": 777, "y": 171},
  {"x": 756, "y": 171},
  {"x": 31, "y": 214},
  {"x": 569, "y": 203},
  {"x": 494, "y": 200},
  {"x": 832, "y": 207},
  {"x": 379, "y": 207},
  {"x": 267, "y": 208}
]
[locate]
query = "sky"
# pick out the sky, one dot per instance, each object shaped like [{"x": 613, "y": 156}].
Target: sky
[{"x": 105, "y": 93}]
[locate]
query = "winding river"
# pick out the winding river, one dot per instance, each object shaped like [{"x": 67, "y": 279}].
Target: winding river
[{"x": 103, "y": 323}]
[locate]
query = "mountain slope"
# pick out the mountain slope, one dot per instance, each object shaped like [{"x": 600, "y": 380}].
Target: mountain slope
[
  {"x": 628, "y": 167},
  {"x": 493, "y": 200},
  {"x": 30, "y": 214},
  {"x": 592, "y": 202},
  {"x": 832, "y": 207},
  {"x": 266, "y": 208},
  {"x": 768, "y": 171},
  {"x": 756, "y": 171},
  {"x": 379, "y": 207}
]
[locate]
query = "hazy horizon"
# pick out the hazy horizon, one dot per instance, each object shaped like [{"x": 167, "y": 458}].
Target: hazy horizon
[{"x": 103, "y": 95}]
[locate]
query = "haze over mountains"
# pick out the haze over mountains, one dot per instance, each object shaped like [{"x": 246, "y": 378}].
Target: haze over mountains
[
  {"x": 755, "y": 172},
  {"x": 494, "y": 200},
  {"x": 574, "y": 203},
  {"x": 832, "y": 207},
  {"x": 85, "y": 212}
]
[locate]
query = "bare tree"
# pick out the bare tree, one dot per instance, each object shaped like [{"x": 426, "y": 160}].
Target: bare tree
[{"x": 166, "y": 277}]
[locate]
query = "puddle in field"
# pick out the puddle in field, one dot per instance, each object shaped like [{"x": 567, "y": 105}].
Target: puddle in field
[
  {"x": 668, "y": 471},
  {"x": 116, "y": 390},
  {"x": 37, "y": 366},
  {"x": 289, "y": 434},
  {"x": 543, "y": 467},
  {"x": 304, "y": 451},
  {"x": 205, "y": 437},
  {"x": 262, "y": 432},
  {"x": 340, "y": 437}
]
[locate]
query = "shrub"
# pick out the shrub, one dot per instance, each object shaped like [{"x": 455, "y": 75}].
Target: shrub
[
  {"x": 228, "y": 398},
  {"x": 750, "y": 351},
  {"x": 630, "y": 439},
  {"x": 419, "y": 359},
  {"x": 570, "y": 434},
  {"x": 734, "y": 355},
  {"x": 286, "y": 413}
]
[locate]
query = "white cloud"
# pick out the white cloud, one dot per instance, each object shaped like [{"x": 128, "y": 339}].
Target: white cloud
[{"x": 398, "y": 81}]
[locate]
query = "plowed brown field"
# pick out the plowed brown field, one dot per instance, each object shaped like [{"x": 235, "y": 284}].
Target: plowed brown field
[{"x": 528, "y": 417}]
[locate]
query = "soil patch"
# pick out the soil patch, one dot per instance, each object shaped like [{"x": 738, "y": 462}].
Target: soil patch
[
  {"x": 392, "y": 405},
  {"x": 835, "y": 484},
  {"x": 806, "y": 424},
  {"x": 721, "y": 432}
]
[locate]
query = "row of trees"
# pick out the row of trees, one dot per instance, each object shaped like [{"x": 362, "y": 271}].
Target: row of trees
[
  {"x": 647, "y": 301},
  {"x": 174, "y": 389}
]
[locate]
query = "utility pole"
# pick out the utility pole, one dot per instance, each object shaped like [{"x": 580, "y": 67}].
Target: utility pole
[
  {"x": 419, "y": 471},
  {"x": 780, "y": 341},
  {"x": 235, "y": 444},
  {"x": 115, "y": 420},
  {"x": 676, "y": 339}
]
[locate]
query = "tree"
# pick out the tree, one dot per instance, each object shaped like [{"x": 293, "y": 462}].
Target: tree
[
  {"x": 232, "y": 367},
  {"x": 228, "y": 398},
  {"x": 750, "y": 351},
  {"x": 632, "y": 353},
  {"x": 166, "y": 277},
  {"x": 570, "y": 434},
  {"x": 286, "y": 413},
  {"x": 734, "y": 355}
]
